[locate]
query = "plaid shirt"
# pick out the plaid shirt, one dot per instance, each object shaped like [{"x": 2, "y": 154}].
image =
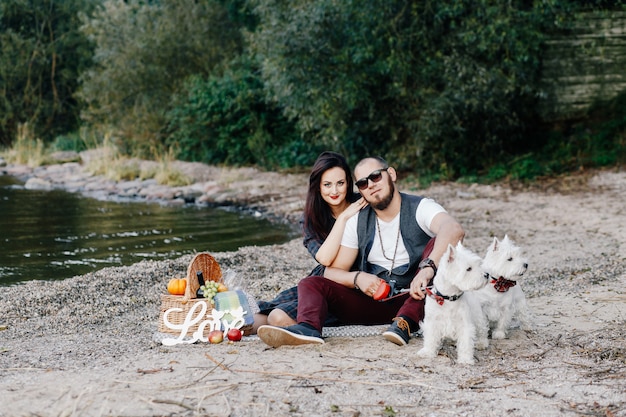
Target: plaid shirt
[{"x": 310, "y": 242}]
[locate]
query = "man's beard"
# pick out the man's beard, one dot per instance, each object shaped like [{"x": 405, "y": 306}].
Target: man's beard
[{"x": 386, "y": 200}]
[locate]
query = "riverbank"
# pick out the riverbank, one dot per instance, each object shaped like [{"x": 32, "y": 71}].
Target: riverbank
[
  {"x": 278, "y": 196},
  {"x": 86, "y": 346}
]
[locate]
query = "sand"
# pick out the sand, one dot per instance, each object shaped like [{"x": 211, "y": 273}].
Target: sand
[{"x": 89, "y": 346}]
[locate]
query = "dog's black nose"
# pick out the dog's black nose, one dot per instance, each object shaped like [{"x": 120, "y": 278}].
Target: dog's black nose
[
  {"x": 525, "y": 266},
  {"x": 486, "y": 275}
]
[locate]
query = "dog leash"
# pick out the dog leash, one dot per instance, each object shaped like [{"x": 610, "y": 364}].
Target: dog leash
[{"x": 400, "y": 293}]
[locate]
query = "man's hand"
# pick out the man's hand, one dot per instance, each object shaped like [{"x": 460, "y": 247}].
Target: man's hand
[
  {"x": 368, "y": 283},
  {"x": 420, "y": 282}
]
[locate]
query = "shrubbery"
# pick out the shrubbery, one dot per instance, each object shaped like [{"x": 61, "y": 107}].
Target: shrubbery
[
  {"x": 226, "y": 119},
  {"x": 442, "y": 89},
  {"x": 144, "y": 52},
  {"x": 445, "y": 87}
]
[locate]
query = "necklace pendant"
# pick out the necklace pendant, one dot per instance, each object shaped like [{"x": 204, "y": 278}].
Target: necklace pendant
[{"x": 382, "y": 247}]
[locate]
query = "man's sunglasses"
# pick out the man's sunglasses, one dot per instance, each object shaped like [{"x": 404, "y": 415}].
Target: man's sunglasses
[{"x": 375, "y": 176}]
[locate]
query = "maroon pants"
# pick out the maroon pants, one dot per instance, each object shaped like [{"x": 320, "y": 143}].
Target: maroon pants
[{"x": 318, "y": 296}]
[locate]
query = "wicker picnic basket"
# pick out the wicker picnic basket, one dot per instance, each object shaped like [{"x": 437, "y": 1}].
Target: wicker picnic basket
[{"x": 211, "y": 271}]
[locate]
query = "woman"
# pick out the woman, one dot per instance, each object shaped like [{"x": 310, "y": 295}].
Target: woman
[{"x": 330, "y": 202}]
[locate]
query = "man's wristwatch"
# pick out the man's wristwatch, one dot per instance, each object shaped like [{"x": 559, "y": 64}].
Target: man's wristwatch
[{"x": 428, "y": 263}]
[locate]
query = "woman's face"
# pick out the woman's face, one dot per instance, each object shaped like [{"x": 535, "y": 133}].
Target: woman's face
[{"x": 334, "y": 186}]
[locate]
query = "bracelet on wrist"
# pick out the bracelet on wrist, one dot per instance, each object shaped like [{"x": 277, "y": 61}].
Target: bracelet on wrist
[{"x": 354, "y": 281}]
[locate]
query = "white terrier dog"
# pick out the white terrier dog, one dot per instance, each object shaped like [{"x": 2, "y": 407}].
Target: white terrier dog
[
  {"x": 450, "y": 312},
  {"x": 502, "y": 298}
]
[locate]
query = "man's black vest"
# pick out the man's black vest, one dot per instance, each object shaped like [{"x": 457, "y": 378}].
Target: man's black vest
[{"x": 414, "y": 238}]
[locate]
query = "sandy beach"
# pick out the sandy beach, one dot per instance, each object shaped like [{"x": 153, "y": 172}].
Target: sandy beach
[{"x": 89, "y": 346}]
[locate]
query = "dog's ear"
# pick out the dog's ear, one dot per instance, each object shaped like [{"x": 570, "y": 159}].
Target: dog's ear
[
  {"x": 450, "y": 253},
  {"x": 495, "y": 244},
  {"x": 506, "y": 239}
]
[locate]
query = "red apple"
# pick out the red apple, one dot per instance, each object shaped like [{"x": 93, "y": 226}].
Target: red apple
[
  {"x": 234, "y": 335},
  {"x": 216, "y": 336}
]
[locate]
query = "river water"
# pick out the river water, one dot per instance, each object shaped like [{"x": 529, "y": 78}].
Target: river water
[{"x": 53, "y": 235}]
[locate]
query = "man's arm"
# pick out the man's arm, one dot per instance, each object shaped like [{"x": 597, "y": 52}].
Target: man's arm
[
  {"x": 340, "y": 272},
  {"x": 447, "y": 231},
  {"x": 345, "y": 258}
]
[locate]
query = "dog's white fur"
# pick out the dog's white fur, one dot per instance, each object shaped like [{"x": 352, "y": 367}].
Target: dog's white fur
[
  {"x": 504, "y": 259},
  {"x": 460, "y": 320}
]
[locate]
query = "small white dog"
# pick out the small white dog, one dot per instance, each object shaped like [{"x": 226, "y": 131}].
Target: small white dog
[
  {"x": 502, "y": 298},
  {"x": 451, "y": 312}
]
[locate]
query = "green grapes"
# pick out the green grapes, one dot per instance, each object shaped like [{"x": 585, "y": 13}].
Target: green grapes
[{"x": 209, "y": 289}]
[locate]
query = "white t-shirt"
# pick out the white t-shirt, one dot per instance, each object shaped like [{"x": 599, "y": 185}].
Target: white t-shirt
[{"x": 426, "y": 211}]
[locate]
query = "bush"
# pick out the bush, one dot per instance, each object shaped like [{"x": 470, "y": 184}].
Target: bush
[
  {"x": 226, "y": 120},
  {"x": 444, "y": 87},
  {"x": 144, "y": 53},
  {"x": 598, "y": 140}
]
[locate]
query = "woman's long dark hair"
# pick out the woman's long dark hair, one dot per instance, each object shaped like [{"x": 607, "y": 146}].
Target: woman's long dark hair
[{"x": 318, "y": 217}]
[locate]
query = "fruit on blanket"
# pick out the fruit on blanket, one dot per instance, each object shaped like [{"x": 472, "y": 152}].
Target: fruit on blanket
[
  {"x": 382, "y": 291},
  {"x": 177, "y": 286},
  {"x": 221, "y": 287},
  {"x": 234, "y": 335},
  {"x": 216, "y": 336}
]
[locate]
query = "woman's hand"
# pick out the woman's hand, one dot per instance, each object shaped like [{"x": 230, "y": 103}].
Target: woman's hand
[{"x": 354, "y": 208}]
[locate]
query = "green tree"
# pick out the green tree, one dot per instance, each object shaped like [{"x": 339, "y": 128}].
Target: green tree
[
  {"x": 144, "y": 53},
  {"x": 42, "y": 53},
  {"x": 448, "y": 86},
  {"x": 226, "y": 119}
]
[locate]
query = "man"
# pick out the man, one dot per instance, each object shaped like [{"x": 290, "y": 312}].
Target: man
[{"x": 392, "y": 239}]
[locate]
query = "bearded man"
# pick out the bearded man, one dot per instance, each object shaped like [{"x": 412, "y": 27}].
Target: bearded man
[{"x": 398, "y": 239}]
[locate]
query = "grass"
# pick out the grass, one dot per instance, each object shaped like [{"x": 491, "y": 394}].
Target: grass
[
  {"x": 109, "y": 162},
  {"x": 118, "y": 167},
  {"x": 26, "y": 150},
  {"x": 167, "y": 174}
]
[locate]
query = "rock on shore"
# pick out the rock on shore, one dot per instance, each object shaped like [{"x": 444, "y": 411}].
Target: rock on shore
[{"x": 276, "y": 195}]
